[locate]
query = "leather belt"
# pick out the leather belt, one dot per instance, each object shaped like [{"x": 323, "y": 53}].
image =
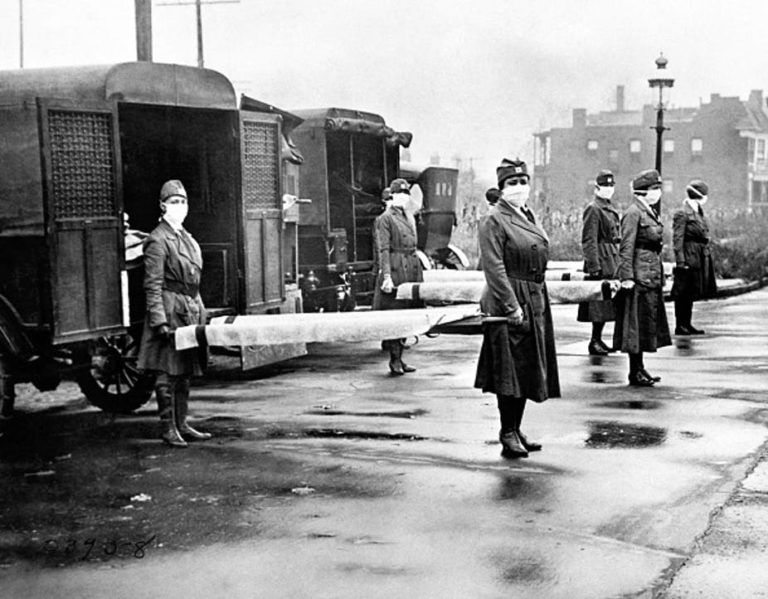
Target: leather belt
[
  {"x": 652, "y": 247},
  {"x": 177, "y": 287}
]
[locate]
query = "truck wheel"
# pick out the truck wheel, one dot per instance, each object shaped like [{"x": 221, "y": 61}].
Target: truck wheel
[{"x": 113, "y": 381}]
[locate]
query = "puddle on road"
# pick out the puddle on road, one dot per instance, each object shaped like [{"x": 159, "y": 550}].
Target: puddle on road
[
  {"x": 391, "y": 414},
  {"x": 523, "y": 568},
  {"x": 334, "y": 433},
  {"x": 684, "y": 346},
  {"x": 69, "y": 495},
  {"x": 601, "y": 374},
  {"x": 631, "y": 404},
  {"x": 610, "y": 434},
  {"x": 522, "y": 488}
]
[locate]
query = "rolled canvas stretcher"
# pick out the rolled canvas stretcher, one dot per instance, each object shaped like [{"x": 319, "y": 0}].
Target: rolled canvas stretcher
[
  {"x": 463, "y": 291},
  {"x": 325, "y": 327}
]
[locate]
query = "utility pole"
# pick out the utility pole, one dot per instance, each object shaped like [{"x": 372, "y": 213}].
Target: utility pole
[
  {"x": 21, "y": 34},
  {"x": 144, "y": 30},
  {"x": 199, "y": 15}
]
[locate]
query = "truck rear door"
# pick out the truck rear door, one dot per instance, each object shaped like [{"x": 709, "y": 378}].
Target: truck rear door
[
  {"x": 83, "y": 219},
  {"x": 262, "y": 207}
]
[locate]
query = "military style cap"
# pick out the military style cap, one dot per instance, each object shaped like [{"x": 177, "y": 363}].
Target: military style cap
[
  {"x": 386, "y": 194},
  {"x": 399, "y": 186},
  {"x": 646, "y": 179},
  {"x": 172, "y": 188},
  {"x": 697, "y": 189},
  {"x": 511, "y": 168},
  {"x": 605, "y": 177}
]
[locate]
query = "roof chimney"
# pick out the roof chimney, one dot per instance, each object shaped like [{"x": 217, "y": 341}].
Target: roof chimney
[
  {"x": 579, "y": 118},
  {"x": 619, "y": 98},
  {"x": 756, "y": 98}
]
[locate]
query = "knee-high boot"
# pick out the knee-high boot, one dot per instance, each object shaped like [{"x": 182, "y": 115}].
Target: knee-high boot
[
  {"x": 636, "y": 376},
  {"x": 527, "y": 443},
  {"x": 683, "y": 313},
  {"x": 395, "y": 357},
  {"x": 511, "y": 445},
  {"x": 165, "y": 393},
  {"x": 181, "y": 411},
  {"x": 406, "y": 368}
]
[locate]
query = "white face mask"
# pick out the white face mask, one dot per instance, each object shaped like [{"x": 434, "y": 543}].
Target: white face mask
[
  {"x": 703, "y": 200},
  {"x": 413, "y": 205},
  {"x": 653, "y": 196},
  {"x": 605, "y": 192},
  {"x": 516, "y": 195},
  {"x": 175, "y": 214},
  {"x": 400, "y": 199}
]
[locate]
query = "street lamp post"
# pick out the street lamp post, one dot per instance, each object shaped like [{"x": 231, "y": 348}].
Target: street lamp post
[{"x": 661, "y": 79}]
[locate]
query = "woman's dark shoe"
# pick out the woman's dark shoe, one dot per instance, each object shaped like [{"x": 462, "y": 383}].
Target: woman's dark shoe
[
  {"x": 610, "y": 350},
  {"x": 396, "y": 367},
  {"x": 596, "y": 348},
  {"x": 638, "y": 379},
  {"x": 694, "y": 331},
  {"x": 528, "y": 444},
  {"x": 683, "y": 330},
  {"x": 192, "y": 433},
  {"x": 407, "y": 368},
  {"x": 649, "y": 376},
  {"x": 511, "y": 446}
]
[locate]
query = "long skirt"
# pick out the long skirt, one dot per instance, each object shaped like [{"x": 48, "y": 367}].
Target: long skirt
[
  {"x": 641, "y": 320},
  {"x": 520, "y": 363},
  {"x": 695, "y": 283},
  {"x": 596, "y": 311}
]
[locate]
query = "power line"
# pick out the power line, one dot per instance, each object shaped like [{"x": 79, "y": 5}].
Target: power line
[{"x": 199, "y": 15}]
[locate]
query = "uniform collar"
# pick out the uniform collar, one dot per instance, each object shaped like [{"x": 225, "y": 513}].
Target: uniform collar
[{"x": 647, "y": 208}]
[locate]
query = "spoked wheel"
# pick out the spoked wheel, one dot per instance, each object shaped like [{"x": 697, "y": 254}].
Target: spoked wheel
[{"x": 113, "y": 381}]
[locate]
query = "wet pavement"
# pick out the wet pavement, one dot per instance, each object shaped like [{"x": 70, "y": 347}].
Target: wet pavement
[{"x": 328, "y": 478}]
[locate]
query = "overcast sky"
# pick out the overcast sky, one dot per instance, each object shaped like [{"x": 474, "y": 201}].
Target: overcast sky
[{"x": 473, "y": 78}]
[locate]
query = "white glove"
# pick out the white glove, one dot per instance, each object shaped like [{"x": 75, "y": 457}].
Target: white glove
[
  {"x": 628, "y": 284},
  {"x": 387, "y": 286}
]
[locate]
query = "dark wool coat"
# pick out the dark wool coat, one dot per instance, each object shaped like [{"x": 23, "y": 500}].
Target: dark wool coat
[
  {"x": 690, "y": 238},
  {"x": 173, "y": 265},
  {"x": 516, "y": 361},
  {"x": 600, "y": 237},
  {"x": 396, "y": 243},
  {"x": 641, "y": 319}
]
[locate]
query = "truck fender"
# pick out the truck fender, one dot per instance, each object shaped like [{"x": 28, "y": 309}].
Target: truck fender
[
  {"x": 13, "y": 338},
  {"x": 460, "y": 255},
  {"x": 426, "y": 263}
]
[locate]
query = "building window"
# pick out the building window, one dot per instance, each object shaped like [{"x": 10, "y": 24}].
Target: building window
[
  {"x": 760, "y": 149},
  {"x": 697, "y": 145},
  {"x": 613, "y": 156},
  {"x": 669, "y": 146},
  {"x": 635, "y": 147},
  {"x": 667, "y": 186},
  {"x": 592, "y": 145},
  {"x": 543, "y": 150}
]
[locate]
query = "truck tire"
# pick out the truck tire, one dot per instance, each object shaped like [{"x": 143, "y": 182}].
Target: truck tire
[{"x": 113, "y": 381}]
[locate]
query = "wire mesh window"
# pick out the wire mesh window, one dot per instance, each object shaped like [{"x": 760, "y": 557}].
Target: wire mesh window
[
  {"x": 82, "y": 164},
  {"x": 260, "y": 168}
]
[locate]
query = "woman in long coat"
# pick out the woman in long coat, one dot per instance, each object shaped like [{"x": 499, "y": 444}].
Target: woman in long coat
[
  {"x": 172, "y": 268},
  {"x": 517, "y": 360},
  {"x": 694, "y": 269},
  {"x": 600, "y": 237},
  {"x": 398, "y": 262},
  {"x": 641, "y": 319}
]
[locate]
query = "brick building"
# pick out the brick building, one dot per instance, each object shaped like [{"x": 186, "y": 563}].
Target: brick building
[{"x": 724, "y": 142}]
